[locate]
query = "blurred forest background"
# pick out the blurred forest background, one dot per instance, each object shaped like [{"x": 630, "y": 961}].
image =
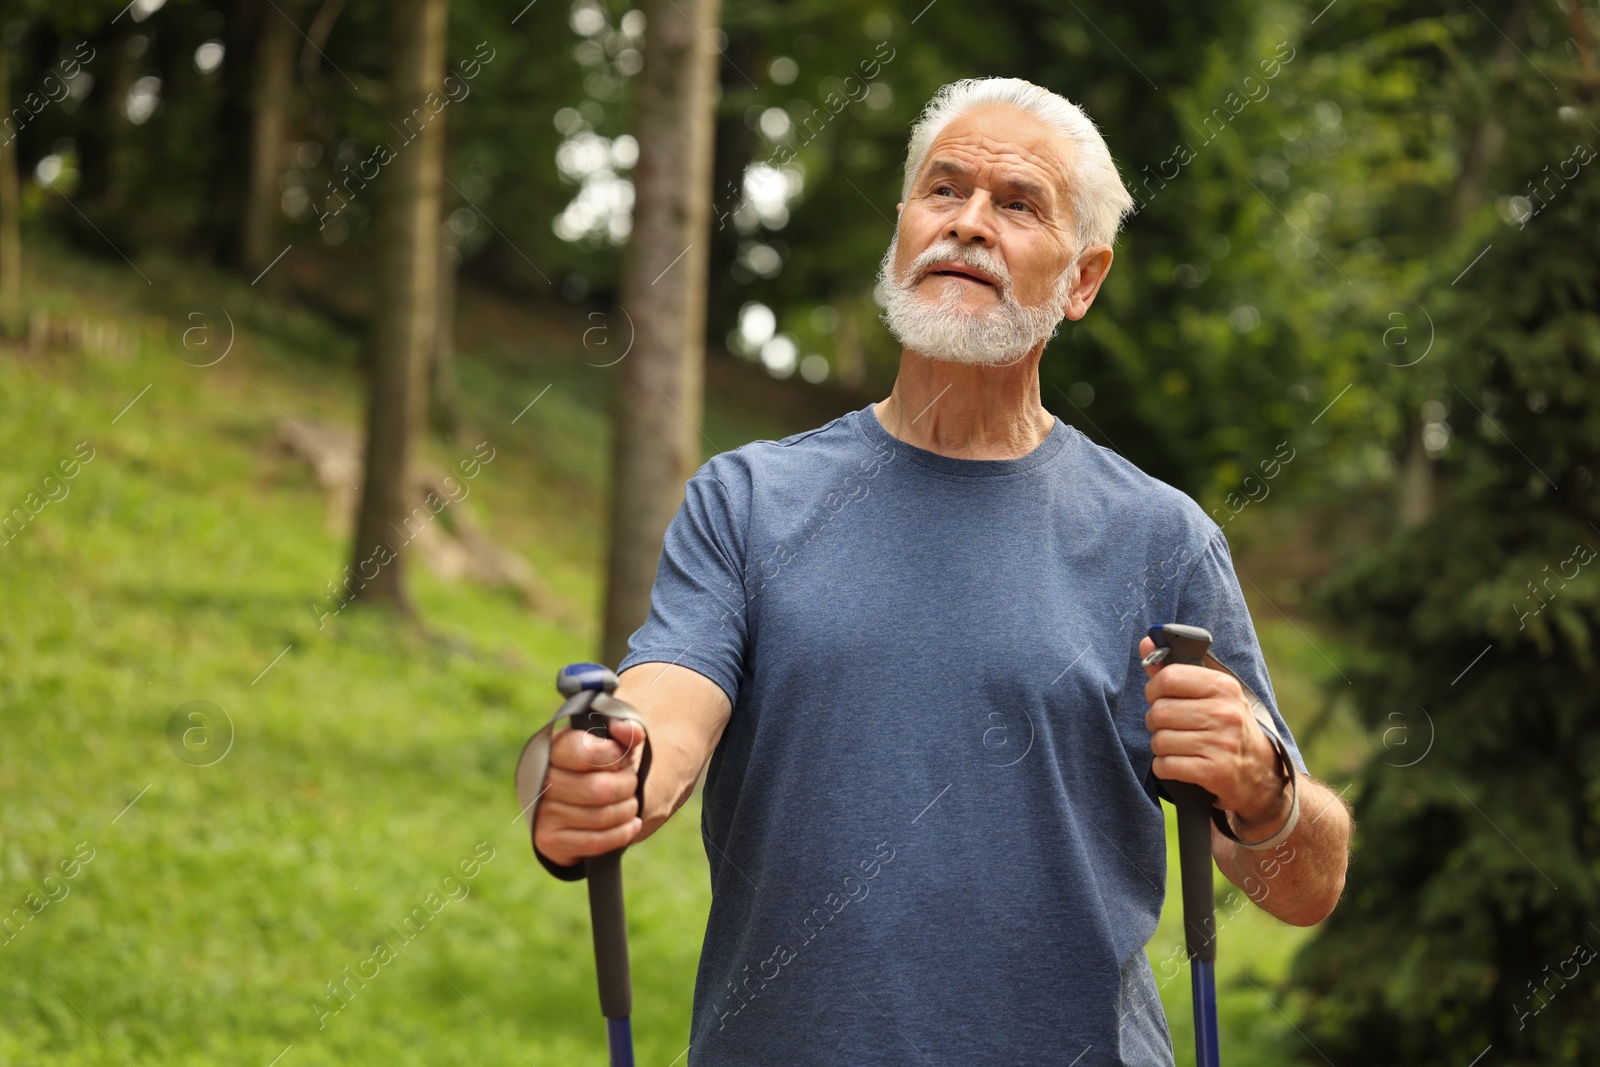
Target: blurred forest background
[{"x": 243, "y": 249}]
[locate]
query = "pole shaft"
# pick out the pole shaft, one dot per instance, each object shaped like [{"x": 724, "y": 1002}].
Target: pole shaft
[
  {"x": 619, "y": 1036},
  {"x": 1203, "y": 979}
]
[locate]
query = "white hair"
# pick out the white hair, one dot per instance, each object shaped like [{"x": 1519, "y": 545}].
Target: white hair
[{"x": 1094, "y": 188}]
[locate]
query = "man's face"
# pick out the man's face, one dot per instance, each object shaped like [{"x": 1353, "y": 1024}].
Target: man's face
[
  {"x": 993, "y": 178},
  {"x": 982, "y": 267}
]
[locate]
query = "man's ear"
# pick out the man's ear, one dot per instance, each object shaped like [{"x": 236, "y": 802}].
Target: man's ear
[
  {"x": 899, "y": 207},
  {"x": 1093, "y": 266}
]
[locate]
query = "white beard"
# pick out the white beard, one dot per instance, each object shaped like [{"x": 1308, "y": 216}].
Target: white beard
[{"x": 946, "y": 331}]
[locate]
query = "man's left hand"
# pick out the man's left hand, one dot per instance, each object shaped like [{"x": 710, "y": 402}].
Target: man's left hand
[{"x": 1202, "y": 731}]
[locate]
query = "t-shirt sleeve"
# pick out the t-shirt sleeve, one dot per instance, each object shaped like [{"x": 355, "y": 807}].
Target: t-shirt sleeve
[
  {"x": 1211, "y": 598},
  {"x": 697, "y": 604}
]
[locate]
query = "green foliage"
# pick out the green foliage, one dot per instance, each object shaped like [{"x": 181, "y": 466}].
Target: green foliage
[
  {"x": 1225, "y": 326},
  {"x": 1471, "y": 900}
]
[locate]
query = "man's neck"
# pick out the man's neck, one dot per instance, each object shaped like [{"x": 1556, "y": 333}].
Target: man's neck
[{"x": 966, "y": 411}]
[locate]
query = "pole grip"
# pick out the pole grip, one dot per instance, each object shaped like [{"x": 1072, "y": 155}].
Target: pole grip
[
  {"x": 607, "y": 913},
  {"x": 607, "y": 918},
  {"x": 1188, "y": 644},
  {"x": 1194, "y": 868}
]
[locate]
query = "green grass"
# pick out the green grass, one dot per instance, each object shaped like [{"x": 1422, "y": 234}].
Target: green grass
[
  {"x": 365, "y": 761},
  {"x": 365, "y": 764}
]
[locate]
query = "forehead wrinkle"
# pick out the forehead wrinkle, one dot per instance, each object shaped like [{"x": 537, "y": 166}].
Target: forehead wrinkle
[
  {"x": 1041, "y": 192},
  {"x": 997, "y": 157}
]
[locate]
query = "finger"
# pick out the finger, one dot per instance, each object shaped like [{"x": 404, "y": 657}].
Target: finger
[
  {"x": 1146, "y": 647},
  {"x": 565, "y": 847},
  {"x": 1182, "y": 743},
  {"x": 590, "y": 788},
  {"x": 580, "y": 750},
  {"x": 562, "y": 816},
  {"x": 576, "y": 750},
  {"x": 1193, "y": 769},
  {"x": 630, "y": 736},
  {"x": 1184, "y": 713},
  {"x": 1186, "y": 680}
]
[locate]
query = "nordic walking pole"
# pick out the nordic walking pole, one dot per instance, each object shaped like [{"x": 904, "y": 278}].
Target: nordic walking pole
[
  {"x": 591, "y": 708},
  {"x": 1176, "y": 643}
]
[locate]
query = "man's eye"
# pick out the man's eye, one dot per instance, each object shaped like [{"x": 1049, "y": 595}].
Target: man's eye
[
  {"x": 943, "y": 189},
  {"x": 1023, "y": 204}
]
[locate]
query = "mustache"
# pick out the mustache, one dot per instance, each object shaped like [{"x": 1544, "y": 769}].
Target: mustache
[{"x": 949, "y": 250}]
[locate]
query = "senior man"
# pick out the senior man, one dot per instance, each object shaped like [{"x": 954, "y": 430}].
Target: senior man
[{"x": 908, "y": 642}]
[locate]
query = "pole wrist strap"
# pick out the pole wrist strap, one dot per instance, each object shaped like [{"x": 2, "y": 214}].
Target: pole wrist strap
[{"x": 534, "y": 764}]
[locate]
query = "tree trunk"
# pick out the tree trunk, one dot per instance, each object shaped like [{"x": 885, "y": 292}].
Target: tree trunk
[
  {"x": 408, "y": 283},
  {"x": 10, "y": 214},
  {"x": 1483, "y": 148},
  {"x": 114, "y": 120},
  {"x": 849, "y": 349},
  {"x": 270, "y": 95},
  {"x": 733, "y": 148},
  {"x": 446, "y": 405},
  {"x": 656, "y": 437},
  {"x": 1416, "y": 490}
]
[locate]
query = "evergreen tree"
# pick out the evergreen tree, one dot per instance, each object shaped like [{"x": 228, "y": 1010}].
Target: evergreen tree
[{"x": 1470, "y": 912}]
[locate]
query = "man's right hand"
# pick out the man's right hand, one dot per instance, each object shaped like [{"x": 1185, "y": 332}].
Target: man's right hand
[{"x": 590, "y": 804}]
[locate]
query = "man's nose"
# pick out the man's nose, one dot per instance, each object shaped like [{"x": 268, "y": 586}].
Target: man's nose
[{"x": 975, "y": 222}]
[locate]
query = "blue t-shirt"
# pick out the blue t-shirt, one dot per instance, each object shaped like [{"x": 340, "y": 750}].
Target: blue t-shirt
[{"x": 932, "y": 829}]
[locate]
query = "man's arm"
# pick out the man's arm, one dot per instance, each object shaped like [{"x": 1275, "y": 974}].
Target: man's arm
[
  {"x": 685, "y": 713},
  {"x": 1202, "y": 731},
  {"x": 1300, "y": 880},
  {"x": 590, "y": 802}
]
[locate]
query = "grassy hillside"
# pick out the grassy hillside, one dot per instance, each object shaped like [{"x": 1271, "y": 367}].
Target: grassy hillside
[{"x": 348, "y": 766}]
